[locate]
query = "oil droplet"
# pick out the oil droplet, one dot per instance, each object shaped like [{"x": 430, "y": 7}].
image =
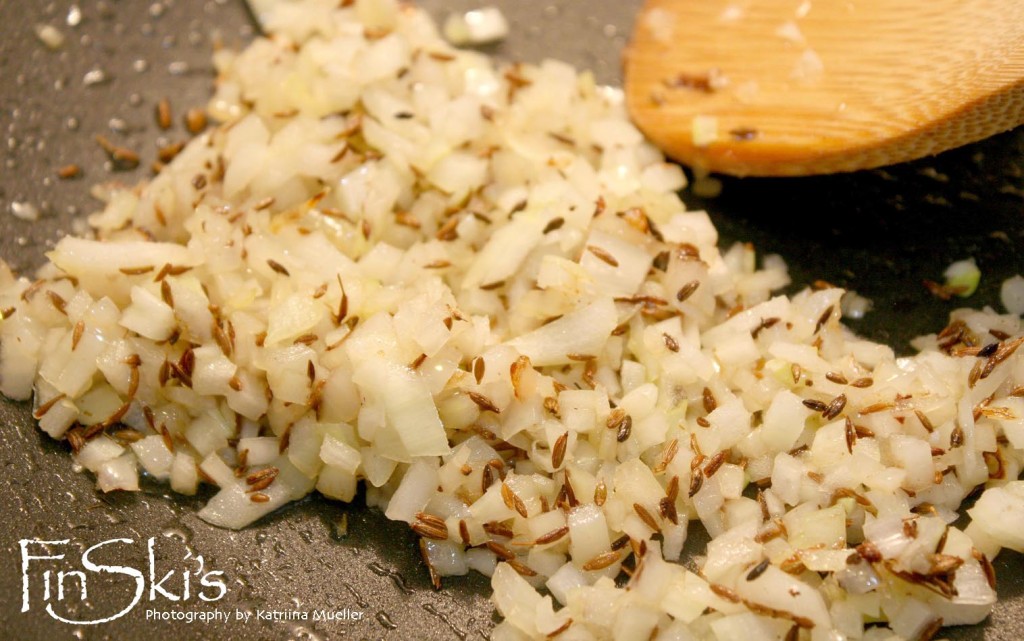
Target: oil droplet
[
  {"x": 385, "y": 620},
  {"x": 71, "y": 124},
  {"x": 139, "y": 65},
  {"x": 78, "y": 633},
  {"x": 360, "y": 601},
  {"x": 179, "y": 533},
  {"x": 429, "y": 607},
  {"x": 25, "y": 211},
  {"x": 74, "y": 16},
  {"x": 399, "y": 580},
  {"x": 95, "y": 76}
]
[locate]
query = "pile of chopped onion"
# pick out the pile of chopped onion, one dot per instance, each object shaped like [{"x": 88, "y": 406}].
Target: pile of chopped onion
[{"x": 475, "y": 290}]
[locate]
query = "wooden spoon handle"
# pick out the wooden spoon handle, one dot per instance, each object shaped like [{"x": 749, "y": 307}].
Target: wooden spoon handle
[{"x": 783, "y": 87}]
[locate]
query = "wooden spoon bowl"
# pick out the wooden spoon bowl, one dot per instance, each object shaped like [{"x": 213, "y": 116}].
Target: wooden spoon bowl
[{"x": 787, "y": 88}]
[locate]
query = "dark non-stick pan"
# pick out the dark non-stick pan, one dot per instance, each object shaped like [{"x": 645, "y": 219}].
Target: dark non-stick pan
[{"x": 880, "y": 232}]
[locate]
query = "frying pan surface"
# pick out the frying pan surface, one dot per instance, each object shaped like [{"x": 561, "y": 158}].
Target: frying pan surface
[{"x": 878, "y": 232}]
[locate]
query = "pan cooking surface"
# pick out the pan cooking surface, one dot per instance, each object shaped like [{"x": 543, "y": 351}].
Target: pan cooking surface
[{"x": 878, "y": 232}]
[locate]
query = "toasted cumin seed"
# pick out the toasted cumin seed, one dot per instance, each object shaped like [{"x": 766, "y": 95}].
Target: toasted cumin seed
[
  {"x": 435, "y": 578},
  {"x": 67, "y": 172},
  {"x": 600, "y": 493},
  {"x": 552, "y": 536},
  {"x": 714, "y": 464},
  {"x": 128, "y": 435},
  {"x": 497, "y": 529},
  {"x": 601, "y": 561},
  {"x": 121, "y": 158},
  {"x": 708, "y": 398},
  {"x": 76, "y": 334},
  {"x": 483, "y": 402},
  {"x": 758, "y": 570},
  {"x": 863, "y": 432},
  {"x": 687, "y": 290},
  {"x": 814, "y": 404},
  {"x": 603, "y": 255},
  {"x": 512, "y": 500},
  {"x": 500, "y": 550},
  {"x": 825, "y": 316},
  {"x": 620, "y": 542},
  {"x": 863, "y": 382},
  {"x": 163, "y": 114},
  {"x": 835, "y": 408},
  {"x": 75, "y": 439},
  {"x": 625, "y": 429},
  {"x": 672, "y": 491},
  {"x": 667, "y": 455},
  {"x": 57, "y": 301},
  {"x": 956, "y": 437},
  {"x": 670, "y": 342},
  {"x": 286, "y": 438},
  {"x": 166, "y": 294},
  {"x": 766, "y": 514},
  {"x": 851, "y": 435},
  {"x": 167, "y": 153},
  {"x": 486, "y": 478},
  {"x": 615, "y": 418},
  {"x": 429, "y": 531},
  {"x": 277, "y": 267},
  {"x": 836, "y": 377},
  {"x": 256, "y": 477},
  {"x": 259, "y": 497},
  {"x": 646, "y": 517},
  {"x": 558, "y": 451},
  {"x": 554, "y": 224},
  {"x": 261, "y": 484},
  {"x": 696, "y": 481},
  {"x": 47, "y": 406},
  {"x": 703, "y": 422},
  {"x": 570, "y": 492},
  {"x": 195, "y": 120},
  {"x": 521, "y": 568},
  {"x": 464, "y": 532},
  {"x": 479, "y": 367},
  {"x": 667, "y": 508}
]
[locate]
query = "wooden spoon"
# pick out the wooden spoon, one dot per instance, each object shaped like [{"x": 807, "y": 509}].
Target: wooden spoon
[{"x": 791, "y": 87}]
